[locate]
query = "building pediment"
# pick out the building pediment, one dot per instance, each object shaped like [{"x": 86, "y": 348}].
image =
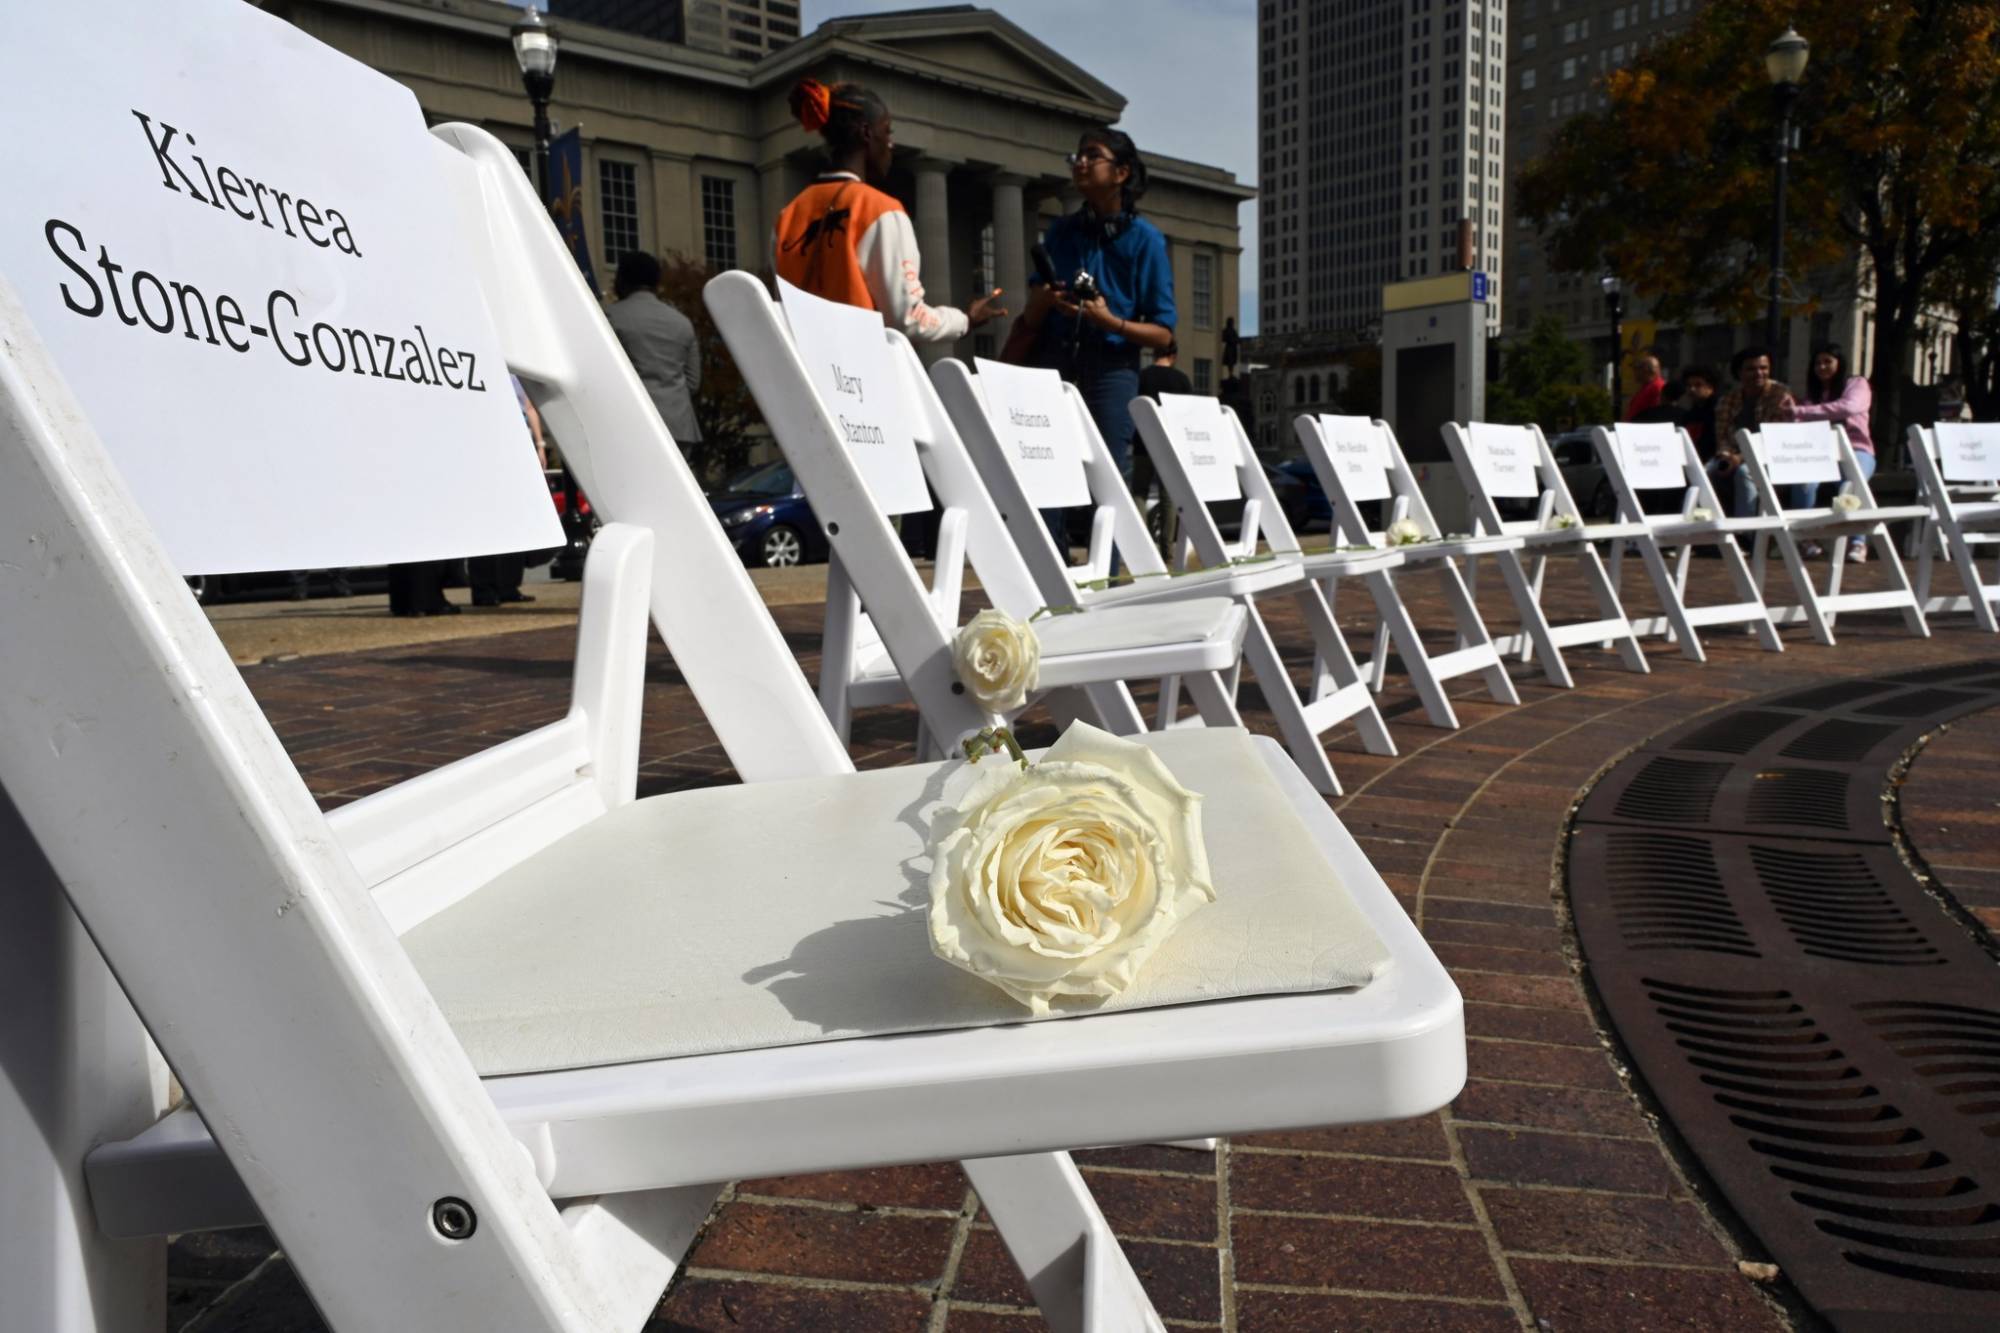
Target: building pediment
[{"x": 961, "y": 45}]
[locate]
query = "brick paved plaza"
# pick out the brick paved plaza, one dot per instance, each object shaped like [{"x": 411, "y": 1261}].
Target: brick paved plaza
[{"x": 1548, "y": 1196}]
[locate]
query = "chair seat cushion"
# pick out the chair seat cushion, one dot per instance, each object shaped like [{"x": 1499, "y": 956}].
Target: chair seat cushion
[{"x": 780, "y": 913}]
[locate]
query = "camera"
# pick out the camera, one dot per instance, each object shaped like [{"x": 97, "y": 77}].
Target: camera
[{"x": 1083, "y": 287}]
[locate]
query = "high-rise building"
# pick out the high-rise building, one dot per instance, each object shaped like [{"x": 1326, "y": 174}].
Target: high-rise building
[
  {"x": 1382, "y": 152},
  {"x": 1559, "y": 51},
  {"x": 747, "y": 29}
]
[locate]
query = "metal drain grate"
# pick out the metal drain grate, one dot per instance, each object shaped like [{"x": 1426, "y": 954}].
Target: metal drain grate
[{"x": 1824, "y": 1038}]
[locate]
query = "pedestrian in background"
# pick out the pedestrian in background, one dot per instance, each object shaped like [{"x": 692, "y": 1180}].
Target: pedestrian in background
[
  {"x": 1833, "y": 394},
  {"x": 1095, "y": 342},
  {"x": 497, "y": 578},
  {"x": 660, "y": 343},
  {"x": 1652, "y": 386},
  {"x": 844, "y": 238},
  {"x": 1756, "y": 399}
]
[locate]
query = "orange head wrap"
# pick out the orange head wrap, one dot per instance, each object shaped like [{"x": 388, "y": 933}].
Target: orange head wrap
[{"x": 812, "y": 103}]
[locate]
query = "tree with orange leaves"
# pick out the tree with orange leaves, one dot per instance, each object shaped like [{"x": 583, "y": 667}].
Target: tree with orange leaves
[{"x": 1899, "y": 161}]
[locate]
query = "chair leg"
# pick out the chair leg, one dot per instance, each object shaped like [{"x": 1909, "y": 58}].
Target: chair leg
[
  {"x": 75, "y": 1071},
  {"x": 1750, "y": 590},
  {"x": 1378, "y": 665},
  {"x": 1472, "y": 632},
  {"x": 1080, "y": 1277},
  {"x": 1609, "y": 607},
  {"x": 1672, "y": 605},
  {"x": 1535, "y": 581},
  {"x": 1170, "y": 703},
  {"x": 1396, "y": 624},
  {"x": 1885, "y": 553},
  {"x": 1535, "y": 633},
  {"x": 1334, "y": 664},
  {"x": 1115, "y": 709},
  {"x": 1214, "y": 701},
  {"x": 1283, "y": 701},
  {"x": 1818, "y": 619}
]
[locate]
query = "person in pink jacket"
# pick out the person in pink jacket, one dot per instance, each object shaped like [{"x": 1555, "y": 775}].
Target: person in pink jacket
[{"x": 1832, "y": 394}]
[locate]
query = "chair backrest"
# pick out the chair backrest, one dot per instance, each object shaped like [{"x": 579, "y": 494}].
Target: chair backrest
[
  {"x": 1203, "y": 456},
  {"x": 1955, "y": 457},
  {"x": 997, "y": 415},
  {"x": 914, "y": 627},
  {"x": 237, "y": 917},
  {"x": 1653, "y": 456},
  {"x": 1502, "y": 462},
  {"x": 1358, "y": 461},
  {"x": 1795, "y": 453}
]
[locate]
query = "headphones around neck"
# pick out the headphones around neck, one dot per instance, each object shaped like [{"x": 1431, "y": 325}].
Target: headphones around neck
[{"x": 1108, "y": 229}]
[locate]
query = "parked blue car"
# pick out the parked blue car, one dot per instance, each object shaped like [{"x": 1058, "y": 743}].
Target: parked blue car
[{"x": 764, "y": 513}]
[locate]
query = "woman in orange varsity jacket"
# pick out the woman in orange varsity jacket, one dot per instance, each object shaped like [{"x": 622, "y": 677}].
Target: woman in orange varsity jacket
[{"x": 844, "y": 239}]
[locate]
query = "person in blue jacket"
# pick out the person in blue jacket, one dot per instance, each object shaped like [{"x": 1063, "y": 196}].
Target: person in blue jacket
[{"x": 1095, "y": 341}]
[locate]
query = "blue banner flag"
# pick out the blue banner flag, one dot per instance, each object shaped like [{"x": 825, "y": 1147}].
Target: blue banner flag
[{"x": 565, "y": 199}]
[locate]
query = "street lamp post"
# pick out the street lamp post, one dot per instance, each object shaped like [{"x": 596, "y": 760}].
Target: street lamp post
[
  {"x": 1614, "y": 306},
  {"x": 535, "y": 48},
  {"x": 1785, "y": 63}
]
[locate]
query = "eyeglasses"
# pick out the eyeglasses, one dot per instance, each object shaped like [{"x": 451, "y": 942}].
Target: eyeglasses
[{"x": 1085, "y": 159}]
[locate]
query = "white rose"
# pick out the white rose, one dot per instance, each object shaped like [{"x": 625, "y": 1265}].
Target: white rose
[
  {"x": 999, "y": 659},
  {"x": 1847, "y": 504},
  {"x": 1060, "y": 880},
  {"x": 1561, "y": 522},
  {"x": 1700, "y": 515},
  {"x": 1405, "y": 532}
]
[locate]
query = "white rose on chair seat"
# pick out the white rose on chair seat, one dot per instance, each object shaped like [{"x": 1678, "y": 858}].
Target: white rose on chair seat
[
  {"x": 1405, "y": 532},
  {"x": 998, "y": 659},
  {"x": 1846, "y": 504},
  {"x": 1060, "y": 880}
]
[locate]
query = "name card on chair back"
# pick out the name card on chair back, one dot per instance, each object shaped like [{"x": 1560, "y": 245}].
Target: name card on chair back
[
  {"x": 238, "y": 246},
  {"x": 1360, "y": 453},
  {"x": 1969, "y": 451},
  {"x": 1506, "y": 459},
  {"x": 1206, "y": 442},
  {"x": 846, "y": 355},
  {"x": 1038, "y": 428},
  {"x": 1652, "y": 455},
  {"x": 1799, "y": 451}
]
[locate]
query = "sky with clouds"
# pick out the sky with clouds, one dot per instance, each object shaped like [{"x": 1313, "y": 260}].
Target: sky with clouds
[{"x": 1187, "y": 69}]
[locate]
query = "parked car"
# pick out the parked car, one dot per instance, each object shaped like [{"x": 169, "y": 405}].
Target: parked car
[
  {"x": 1576, "y": 456},
  {"x": 764, "y": 512}
]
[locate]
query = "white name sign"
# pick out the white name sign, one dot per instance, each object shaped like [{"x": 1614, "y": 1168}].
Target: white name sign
[
  {"x": 240, "y": 249},
  {"x": 1039, "y": 431},
  {"x": 847, "y": 358},
  {"x": 1799, "y": 451},
  {"x": 1205, "y": 439},
  {"x": 1505, "y": 459},
  {"x": 1651, "y": 454},
  {"x": 1359, "y": 452},
  {"x": 1969, "y": 451}
]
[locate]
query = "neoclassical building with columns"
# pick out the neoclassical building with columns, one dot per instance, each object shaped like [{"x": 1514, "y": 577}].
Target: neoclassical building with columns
[{"x": 692, "y": 152}]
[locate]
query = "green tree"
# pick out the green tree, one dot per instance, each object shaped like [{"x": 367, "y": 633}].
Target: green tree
[
  {"x": 723, "y": 407},
  {"x": 1545, "y": 378},
  {"x": 1899, "y": 117}
]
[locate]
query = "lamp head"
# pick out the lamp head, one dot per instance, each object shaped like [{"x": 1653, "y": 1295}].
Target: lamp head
[
  {"x": 1785, "y": 59},
  {"x": 535, "y": 47}
]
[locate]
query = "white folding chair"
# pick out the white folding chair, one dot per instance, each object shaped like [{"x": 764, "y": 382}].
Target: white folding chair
[
  {"x": 477, "y": 1125},
  {"x": 1657, "y": 456},
  {"x": 901, "y": 647},
  {"x": 1514, "y": 463},
  {"x": 1958, "y": 476},
  {"x": 1238, "y": 574},
  {"x": 1358, "y": 461},
  {"x": 1784, "y": 454}
]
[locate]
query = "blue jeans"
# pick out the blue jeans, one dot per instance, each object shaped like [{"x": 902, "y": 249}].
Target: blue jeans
[
  {"x": 1108, "y": 393},
  {"x": 1805, "y": 495}
]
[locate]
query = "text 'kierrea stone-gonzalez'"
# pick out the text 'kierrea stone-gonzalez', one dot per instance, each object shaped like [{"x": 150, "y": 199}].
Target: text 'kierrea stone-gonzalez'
[{"x": 166, "y": 306}]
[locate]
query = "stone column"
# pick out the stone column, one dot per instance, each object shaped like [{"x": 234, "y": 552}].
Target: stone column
[
  {"x": 1010, "y": 241},
  {"x": 933, "y": 223}
]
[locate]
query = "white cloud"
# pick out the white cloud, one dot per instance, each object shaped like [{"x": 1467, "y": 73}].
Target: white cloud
[{"x": 1187, "y": 68}]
